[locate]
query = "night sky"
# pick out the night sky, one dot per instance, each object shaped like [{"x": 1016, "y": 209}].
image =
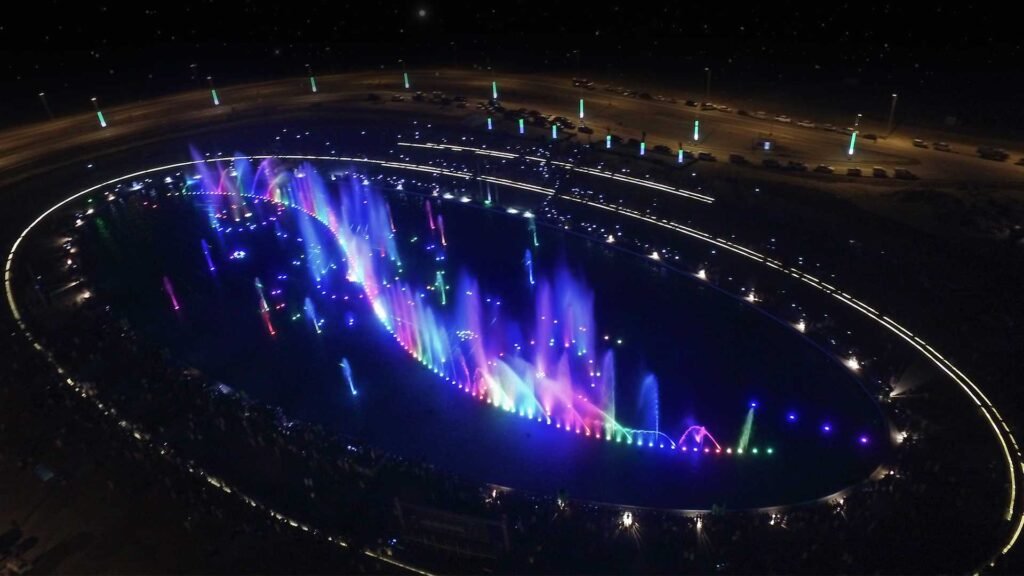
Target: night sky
[{"x": 950, "y": 54}]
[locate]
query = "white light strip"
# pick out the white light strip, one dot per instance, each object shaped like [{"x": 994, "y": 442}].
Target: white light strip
[{"x": 620, "y": 177}]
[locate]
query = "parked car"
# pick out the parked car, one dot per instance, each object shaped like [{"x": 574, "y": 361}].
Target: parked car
[
  {"x": 879, "y": 172},
  {"x": 829, "y": 127},
  {"x": 707, "y": 106},
  {"x": 824, "y": 169},
  {"x": 722, "y": 108},
  {"x": 903, "y": 174},
  {"x": 796, "y": 166},
  {"x": 771, "y": 163},
  {"x": 848, "y": 130},
  {"x": 373, "y": 97},
  {"x": 690, "y": 103},
  {"x": 918, "y": 143},
  {"x": 586, "y": 130},
  {"x": 397, "y": 98},
  {"x": 783, "y": 118},
  {"x": 760, "y": 115},
  {"x": 869, "y": 136},
  {"x": 941, "y": 147},
  {"x": 992, "y": 153},
  {"x": 853, "y": 172},
  {"x": 706, "y": 156},
  {"x": 805, "y": 124},
  {"x": 742, "y": 113},
  {"x": 662, "y": 149},
  {"x": 737, "y": 159}
]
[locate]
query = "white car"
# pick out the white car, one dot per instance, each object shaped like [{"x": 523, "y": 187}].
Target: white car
[
  {"x": 805, "y": 124},
  {"x": 761, "y": 115},
  {"x": 783, "y": 118}
]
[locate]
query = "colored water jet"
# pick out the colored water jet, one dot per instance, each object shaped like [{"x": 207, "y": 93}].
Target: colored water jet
[
  {"x": 649, "y": 403},
  {"x": 264, "y": 309},
  {"x": 346, "y": 372},
  {"x": 170, "y": 293},
  {"x": 544, "y": 362},
  {"x": 307, "y": 306},
  {"x": 440, "y": 287},
  {"x": 206, "y": 253},
  {"x": 748, "y": 429},
  {"x": 430, "y": 215},
  {"x": 528, "y": 261}
]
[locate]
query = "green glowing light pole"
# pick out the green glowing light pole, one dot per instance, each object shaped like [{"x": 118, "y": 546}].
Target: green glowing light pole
[
  {"x": 494, "y": 89},
  {"x": 696, "y": 130},
  {"x": 581, "y": 110},
  {"x": 490, "y": 123},
  {"x": 554, "y": 131},
  {"x": 312, "y": 79},
  {"x": 213, "y": 91},
  {"x": 680, "y": 153},
  {"x": 608, "y": 139},
  {"x": 99, "y": 113},
  {"x": 522, "y": 126},
  {"x": 853, "y": 137},
  {"x": 405, "y": 75}
]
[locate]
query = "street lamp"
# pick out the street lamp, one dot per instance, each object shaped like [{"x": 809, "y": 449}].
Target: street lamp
[
  {"x": 405, "y": 75},
  {"x": 46, "y": 105},
  {"x": 892, "y": 112},
  {"x": 99, "y": 113}
]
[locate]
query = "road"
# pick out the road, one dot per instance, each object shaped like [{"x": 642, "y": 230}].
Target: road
[{"x": 663, "y": 122}]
